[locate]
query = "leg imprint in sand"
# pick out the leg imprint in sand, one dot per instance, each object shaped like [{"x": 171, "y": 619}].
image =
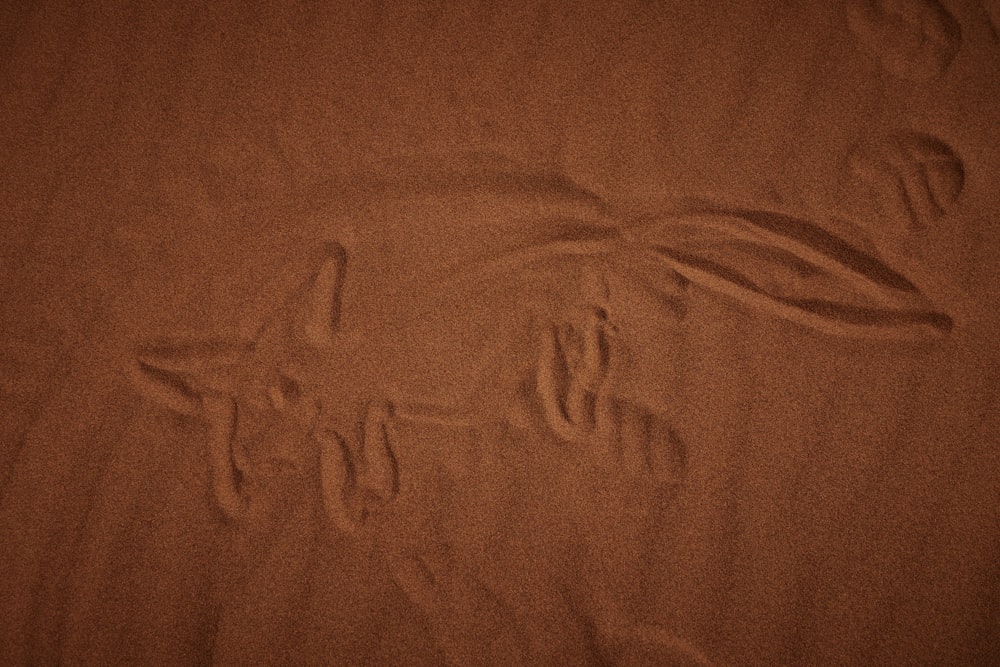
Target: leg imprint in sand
[
  {"x": 559, "y": 426},
  {"x": 913, "y": 39}
]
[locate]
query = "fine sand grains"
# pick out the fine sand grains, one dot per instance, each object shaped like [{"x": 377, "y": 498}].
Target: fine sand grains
[{"x": 391, "y": 333}]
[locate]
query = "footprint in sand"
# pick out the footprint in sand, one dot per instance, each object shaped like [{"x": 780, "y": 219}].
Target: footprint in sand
[
  {"x": 913, "y": 179},
  {"x": 914, "y": 40}
]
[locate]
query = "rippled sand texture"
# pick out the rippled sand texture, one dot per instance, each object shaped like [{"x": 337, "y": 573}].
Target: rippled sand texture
[{"x": 500, "y": 333}]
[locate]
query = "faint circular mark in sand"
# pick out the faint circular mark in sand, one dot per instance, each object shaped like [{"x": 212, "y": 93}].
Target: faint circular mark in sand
[{"x": 914, "y": 40}]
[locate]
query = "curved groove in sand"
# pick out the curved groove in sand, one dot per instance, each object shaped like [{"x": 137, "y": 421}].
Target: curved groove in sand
[{"x": 915, "y": 40}]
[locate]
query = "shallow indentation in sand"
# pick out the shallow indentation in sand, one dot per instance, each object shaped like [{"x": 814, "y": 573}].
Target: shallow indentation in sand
[{"x": 622, "y": 334}]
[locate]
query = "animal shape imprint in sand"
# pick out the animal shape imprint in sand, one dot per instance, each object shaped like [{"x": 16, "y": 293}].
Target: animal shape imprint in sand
[
  {"x": 259, "y": 397},
  {"x": 589, "y": 283}
]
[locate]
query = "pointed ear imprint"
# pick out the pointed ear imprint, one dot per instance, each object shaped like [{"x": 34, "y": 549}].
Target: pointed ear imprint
[
  {"x": 321, "y": 304},
  {"x": 178, "y": 375},
  {"x": 792, "y": 269}
]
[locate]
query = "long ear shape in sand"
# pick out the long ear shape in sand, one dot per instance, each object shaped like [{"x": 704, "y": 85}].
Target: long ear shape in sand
[
  {"x": 792, "y": 269},
  {"x": 311, "y": 314}
]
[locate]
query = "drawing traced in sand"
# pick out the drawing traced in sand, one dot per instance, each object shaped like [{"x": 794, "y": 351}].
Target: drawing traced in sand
[
  {"x": 913, "y": 179},
  {"x": 585, "y": 334},
  {"x": 915, "y": 40},
  {"x": 258, "y": 397},
  {"x": 771, "y": 263},
  {"x": 355, "y": 482},
  {"x": 470, "y": 623},
  {"x": 269, "y": 402},
  {"x": 577, "y": 398}
]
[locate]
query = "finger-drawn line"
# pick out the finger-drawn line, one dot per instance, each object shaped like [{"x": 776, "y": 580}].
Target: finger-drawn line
[
  {"x": 380, "y": 473},
  {"x": 798, "y": 237},
  {"x": 417, "y": 581},
  {"x": 586, "y": 381},
  {"x": 338, "y": 480},
  {"x": 166, "y": 388},
  {"x": 324, "y": 297},
  {"x": 717, "y": 249},
  {"x": 220, "y": 413},
  {"x": 552, "y": 378},
  {"x": 241, "y": 459},
  {"x": 906, "y": 197},
  {"x": 823, "y": 315}
]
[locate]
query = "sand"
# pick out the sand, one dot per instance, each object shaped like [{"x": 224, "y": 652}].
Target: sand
[{"x": 500, "y": 333}]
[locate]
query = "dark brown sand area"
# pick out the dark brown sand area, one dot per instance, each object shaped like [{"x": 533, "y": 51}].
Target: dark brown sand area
[{"x": 500, "y": 333}]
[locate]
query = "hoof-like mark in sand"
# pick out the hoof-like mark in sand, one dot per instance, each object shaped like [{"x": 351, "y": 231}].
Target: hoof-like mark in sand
[
  {"x": 915, "y": 40},
  {"x": 913, "y": 179}
]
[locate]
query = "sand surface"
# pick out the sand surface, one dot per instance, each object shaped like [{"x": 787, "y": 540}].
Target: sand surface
[{"x": 500, "y": 333}]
